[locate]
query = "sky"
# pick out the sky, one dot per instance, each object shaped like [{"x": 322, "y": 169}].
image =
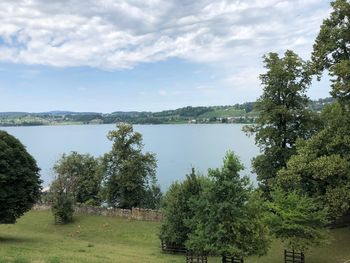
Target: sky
[{"x": 126, "y": 55}]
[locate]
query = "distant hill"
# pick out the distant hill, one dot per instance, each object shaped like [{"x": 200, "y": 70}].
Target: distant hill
[
  {"x": 12, "y": 114},
  {"x": 238, "y": 113}
]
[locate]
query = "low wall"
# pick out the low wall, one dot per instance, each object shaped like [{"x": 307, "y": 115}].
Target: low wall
[{"x": 134, "y": 213}]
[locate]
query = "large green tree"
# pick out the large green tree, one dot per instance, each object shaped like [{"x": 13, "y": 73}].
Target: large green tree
[
  {"x": 228, "y": 217},
  {"x": 296, "y": 219},
  {"x": 321, "y": 167},
  {"x": 80, "y": 175},
  {"x": 128, "y": 171},
  {"x": 20, "y": 184},
  {"x": 332, "y": 49},
  {"x": 178, "y": 209},
  {"x": 283, "y": 114}
]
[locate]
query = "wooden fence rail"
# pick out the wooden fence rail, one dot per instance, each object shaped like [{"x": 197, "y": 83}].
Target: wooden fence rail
[
  {"x": 196, "y": 258},
  {"x": 231, "y": 259},
  {"x": 293, "y": 257},
  {"x": 172, "y": 248}
]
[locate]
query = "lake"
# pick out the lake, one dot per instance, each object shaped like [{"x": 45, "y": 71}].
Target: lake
[{"x": 178, "y": 147}]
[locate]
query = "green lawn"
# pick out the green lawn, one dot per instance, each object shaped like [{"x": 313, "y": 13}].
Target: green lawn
[{"x": 102, "y": 239}]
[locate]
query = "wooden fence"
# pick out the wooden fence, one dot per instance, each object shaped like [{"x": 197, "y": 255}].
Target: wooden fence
[
  {"x": 172, "y": 248},
  {"x": 293, "y": 257},
  {"x": 196, "y": 258},
  {"x": 231, "y": 259}
]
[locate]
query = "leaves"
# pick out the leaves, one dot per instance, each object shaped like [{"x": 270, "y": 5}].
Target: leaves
[
  {"x": 331, "y": 50},
  {"x": 296, "y": 219},
  {"x": 128, "y": 172},
  {"x": 284, "y": 116},
  {"x": 80, "y": 176},
  {"x": 227, "y": 218},
  {"x": 321, "y": 167},
  {"x": 20, "y": 184},
  {"x": 178, "y": 210}
]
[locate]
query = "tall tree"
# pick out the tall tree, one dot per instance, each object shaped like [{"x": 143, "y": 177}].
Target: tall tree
[
  {"x": 128, "y": 171},
  {"x": 284, "y": 116},
  {"x": 321, "y": 167},
  {"x": 178, "y": 210},
  {"x": 227, "y": 217},
  {"x": 332, "y": 49},
  {"x": 79, "y": 175},
  {"x": 20, "y": 184},
  {"x": 62, "y": 201}
]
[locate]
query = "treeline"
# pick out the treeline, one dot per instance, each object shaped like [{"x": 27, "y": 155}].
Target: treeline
[{"x": 238, "y": 113}]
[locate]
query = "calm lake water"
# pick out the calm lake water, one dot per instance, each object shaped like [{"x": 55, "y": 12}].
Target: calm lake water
[{"x": 178, "y": 147}]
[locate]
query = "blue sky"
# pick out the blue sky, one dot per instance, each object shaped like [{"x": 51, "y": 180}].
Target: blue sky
[{"x": 146, "y": 55}]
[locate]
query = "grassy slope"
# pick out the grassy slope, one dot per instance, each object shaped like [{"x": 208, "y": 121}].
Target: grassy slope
[{"x": 101, "y": 239}]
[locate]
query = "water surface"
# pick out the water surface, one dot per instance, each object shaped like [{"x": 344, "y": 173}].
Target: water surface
[{"x": 178, "y": 147}]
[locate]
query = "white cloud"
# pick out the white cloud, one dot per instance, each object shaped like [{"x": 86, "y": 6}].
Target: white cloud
[{"x": 110, "y": 34}]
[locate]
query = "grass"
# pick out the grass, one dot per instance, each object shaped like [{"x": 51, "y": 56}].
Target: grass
[{"x": 103, "y": 239}]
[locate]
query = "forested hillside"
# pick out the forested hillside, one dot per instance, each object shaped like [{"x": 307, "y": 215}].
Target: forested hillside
[{"x": 238, "y": 113}]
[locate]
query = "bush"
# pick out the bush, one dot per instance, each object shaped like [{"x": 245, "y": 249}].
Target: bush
[{"x": 62, "y": 208}]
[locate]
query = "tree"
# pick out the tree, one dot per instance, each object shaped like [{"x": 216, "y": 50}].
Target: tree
[
  {"x": 79, "y": 175},
  {"x": 128, "y": 172},
  {"x": 283, "y": 114},
  {"x": 20, "y": 184},
  {"x": 177, "y": 209},
  {"x": 321, "y": 167},
  {"x": 332, "y": 49},
  {"x": 227, "y": 217},
  {"x": 297, "y": 220},
  {"x": 152, "y": 197},
  {"x": 62, "y": 202}
]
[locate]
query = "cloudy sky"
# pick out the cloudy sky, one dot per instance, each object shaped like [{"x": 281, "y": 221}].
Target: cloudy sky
[{"x": 108, "y": 55}]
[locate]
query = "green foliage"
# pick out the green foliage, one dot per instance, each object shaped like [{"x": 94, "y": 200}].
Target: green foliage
[
  {"x": 62, "y": 200},
  {"x": 153, "y": 197},
  {"x": 184, "y": 112},
  {"x": 283, "y": 114},
  {"x": 321, "y": 168},
  {"x": 332, "y": 49},
  {"x": 62, "y": 208},
  {"x": 128, "y": 172},
  {"x": 80, "y": 175},
  {"x": 297, "y": 220},
  {"x": 177, "y": 208},
  {"x": 227, "y": 217},
  {"x": 20, "y": 184}
]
